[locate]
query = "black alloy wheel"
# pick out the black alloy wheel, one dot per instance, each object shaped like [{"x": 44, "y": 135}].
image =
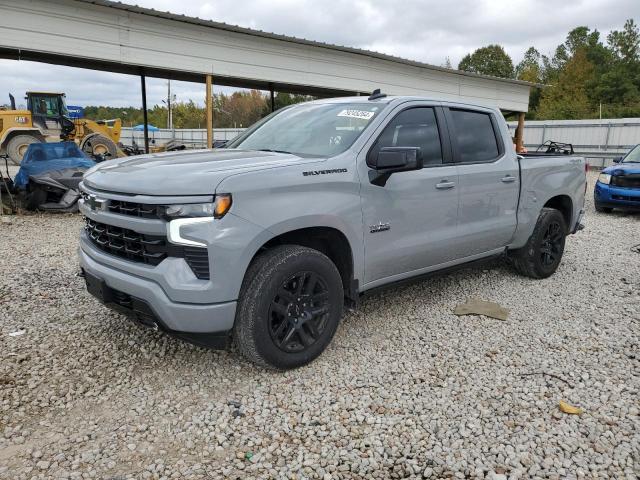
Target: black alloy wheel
[
  {"x": 299, "y": 312},
  {"x": 289, "y": 307},
  {"x": 542, "y": 254},
  {"x": 552, "y": 244}
]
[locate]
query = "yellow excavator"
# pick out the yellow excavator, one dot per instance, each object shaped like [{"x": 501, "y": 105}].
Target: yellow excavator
[{"x": 47, "y": 119}]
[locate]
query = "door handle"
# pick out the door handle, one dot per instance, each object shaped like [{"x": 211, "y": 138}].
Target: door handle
[
  {"x": 445, "y": 185},
  {"x": 508, "y": 179}
]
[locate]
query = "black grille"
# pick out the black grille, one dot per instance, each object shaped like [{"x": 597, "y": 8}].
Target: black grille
[
  {"x": 198, "y": 260},
  {"x": 149, "y": 249},
  {"x": 626, "y": 181},
  {"x": 133, "y": 209},
  {"x": 127, "y": 243}
]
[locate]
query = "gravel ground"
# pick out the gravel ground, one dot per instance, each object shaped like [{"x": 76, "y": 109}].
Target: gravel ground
[{"x": 406, "y": 389}]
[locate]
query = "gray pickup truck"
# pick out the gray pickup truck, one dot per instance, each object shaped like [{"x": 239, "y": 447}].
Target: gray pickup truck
[{"x": 266, "y": 241}]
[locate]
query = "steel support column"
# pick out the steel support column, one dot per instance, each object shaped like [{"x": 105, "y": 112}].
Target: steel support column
[
  {"x": 209, "y": 102},
  {"x": 273, "y": 99},
  {"x": 520, "y": 133},
  {"x": 145, "y": 119}
]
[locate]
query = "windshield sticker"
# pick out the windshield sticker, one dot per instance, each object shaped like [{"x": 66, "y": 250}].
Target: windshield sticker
[{"x": 362, "y": 114}]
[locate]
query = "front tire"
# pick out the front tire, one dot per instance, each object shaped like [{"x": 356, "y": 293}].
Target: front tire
[
  {"x": 289, "y": 308},
  {"x": 542, "y": 254}
]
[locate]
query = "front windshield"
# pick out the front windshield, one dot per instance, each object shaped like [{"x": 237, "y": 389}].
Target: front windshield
[
  {"x": 46, "y": 105},
  {"x": 633, "y": 156},
  {"x": 314, "y": 130}
]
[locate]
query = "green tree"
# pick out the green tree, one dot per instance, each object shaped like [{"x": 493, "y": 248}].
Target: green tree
[
  {"x": 188, "y": 115},
  {"x": 580, "y": 38},
  {"x": 240, "y": 109},
  {"x": 489, "y": 60},
  {"x": 282, "y": 100},
  {"x": 530, "y": 69},
  {"x": 625, "y": 44},
  {"x": 569, "y": 98},
  {"x": 618, "y": 88}
]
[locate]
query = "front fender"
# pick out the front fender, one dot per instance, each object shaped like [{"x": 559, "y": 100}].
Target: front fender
[
  {"x": 9, "y": 132},
  {"x": 282, "y": 200}
]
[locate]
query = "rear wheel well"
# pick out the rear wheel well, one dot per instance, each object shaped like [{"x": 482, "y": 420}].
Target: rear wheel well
[
  {"x": 329, "y": 241},
  {"x": 564, "y": 205}
]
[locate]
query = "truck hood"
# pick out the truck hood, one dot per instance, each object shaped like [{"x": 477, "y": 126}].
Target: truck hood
[
  {"x": 620, "y": 169},
  {"x": 195, "y": 172}
]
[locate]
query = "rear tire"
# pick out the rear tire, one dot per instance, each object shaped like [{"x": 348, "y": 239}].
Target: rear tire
[
  {"x": 17, "y": 147},
  {"x": 100, "y": 146},
  {"x": 599, "y": 208},
  {"x": 289, "y": 308},
  {"x": 542, "y": 254}
]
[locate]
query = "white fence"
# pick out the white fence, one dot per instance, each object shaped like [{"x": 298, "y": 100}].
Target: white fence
[
  {"x": 192, "y": 138},
  {"x": 598, "y": 140}
]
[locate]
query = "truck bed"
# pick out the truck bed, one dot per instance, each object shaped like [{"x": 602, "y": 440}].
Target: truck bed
[{"x": 541, "y": 177}]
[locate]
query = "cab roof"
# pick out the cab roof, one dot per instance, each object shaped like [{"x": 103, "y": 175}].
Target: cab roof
[{"x": 45, "y": 93}]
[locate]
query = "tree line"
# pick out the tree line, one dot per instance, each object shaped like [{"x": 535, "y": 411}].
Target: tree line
[
  {"x": 237, "y": 110},
  {"x": 585, "y": 77}
]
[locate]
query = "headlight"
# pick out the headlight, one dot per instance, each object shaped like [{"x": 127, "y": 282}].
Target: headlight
[
  {"x": 216, "y": 209},
  {"x": 189, "y": 214},
  {"x": 604, "y": 178},
  {"x": 189, "y": 210}
]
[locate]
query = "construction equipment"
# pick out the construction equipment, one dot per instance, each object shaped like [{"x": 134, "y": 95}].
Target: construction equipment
[{"x": 46, "y": 119}]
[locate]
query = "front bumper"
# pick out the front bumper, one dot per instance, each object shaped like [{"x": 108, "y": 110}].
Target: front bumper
[
  {"x": 616, "y": 197},
  {"x": 146, "y": 300}
]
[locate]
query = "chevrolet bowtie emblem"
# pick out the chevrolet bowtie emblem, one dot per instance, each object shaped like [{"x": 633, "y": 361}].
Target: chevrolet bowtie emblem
[{"x": 95, "y": 203}]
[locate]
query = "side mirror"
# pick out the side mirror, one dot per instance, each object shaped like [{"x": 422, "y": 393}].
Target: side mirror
[
  {"x": 392, "y": 160},
  {"x": 617, "y": 160}
]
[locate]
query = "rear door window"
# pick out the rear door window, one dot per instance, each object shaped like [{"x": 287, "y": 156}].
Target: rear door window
[
  {"x": 415, "y": 127},
  {"x": 475, "y": 136}
]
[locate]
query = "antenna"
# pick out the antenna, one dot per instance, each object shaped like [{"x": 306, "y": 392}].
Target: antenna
[{"x": 377, "y": 94}]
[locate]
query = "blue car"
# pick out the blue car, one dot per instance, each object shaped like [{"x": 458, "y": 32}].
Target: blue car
[{"x": 618, "y": 186}]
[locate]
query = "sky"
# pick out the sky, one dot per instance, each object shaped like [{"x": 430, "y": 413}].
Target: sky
[{"x": 424, "y": 30}]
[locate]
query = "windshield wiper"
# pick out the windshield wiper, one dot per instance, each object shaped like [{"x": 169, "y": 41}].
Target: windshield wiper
[{"x": 274, "y": 151}]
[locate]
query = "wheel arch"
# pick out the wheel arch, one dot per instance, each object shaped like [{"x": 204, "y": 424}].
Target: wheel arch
[
  {"x": 564, "y": 205},
  {"x": 328, "y": 240},
  {"x": 12, "y": 132}
]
